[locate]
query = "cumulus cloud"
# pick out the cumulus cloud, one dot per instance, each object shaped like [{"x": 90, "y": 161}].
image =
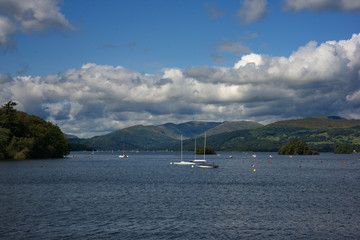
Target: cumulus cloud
[
  {"x": 252, "y": 10},
  {"x": 316, "y": 79},
  {"x": 321, "y": 5},
  {"x": 28, "y": 17}
]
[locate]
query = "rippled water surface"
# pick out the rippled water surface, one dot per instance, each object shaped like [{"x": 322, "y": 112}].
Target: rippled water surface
[{"x": 101, "y": 196}]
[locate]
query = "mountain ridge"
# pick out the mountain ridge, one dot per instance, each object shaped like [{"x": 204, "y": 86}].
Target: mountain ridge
[{"x": 321, "y": 132}]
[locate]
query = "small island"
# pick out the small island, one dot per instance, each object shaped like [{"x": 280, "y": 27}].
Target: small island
[
  {"x": 296, "y": 147},
  {"x": 208, "y": 150},
  {"x": 24, "y": 136}
]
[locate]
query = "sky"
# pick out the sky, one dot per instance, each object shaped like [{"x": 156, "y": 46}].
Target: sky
[{"x": 94, "y": 66}]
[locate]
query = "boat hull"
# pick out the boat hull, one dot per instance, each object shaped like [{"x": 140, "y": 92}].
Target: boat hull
[
  {"x": 207, "y": 166},
  {"x": 184, "y": 163}
]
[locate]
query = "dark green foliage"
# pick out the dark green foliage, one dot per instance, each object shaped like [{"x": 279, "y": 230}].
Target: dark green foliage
[
  {"x": 344, "y": 149},
  {"x": 23, "y": 136},
  {"x": 296, "y": 147},
  {"x": 208, "y": 150}
]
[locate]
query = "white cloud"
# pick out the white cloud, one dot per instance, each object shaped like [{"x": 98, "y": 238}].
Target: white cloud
[
  {"x": 321, "y": 5},
  {"x": 249, "y": 59},
  {"x": 317, "y": 79},
  {"x": 252, "y": 10},
  {"x": 28, "y": 17}
]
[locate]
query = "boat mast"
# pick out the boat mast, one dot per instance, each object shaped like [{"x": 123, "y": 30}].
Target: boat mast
[
  {"x": 181, "y": 148},
  {"x": 195, "y": 149},
  {"x": 204, "y": 144}
]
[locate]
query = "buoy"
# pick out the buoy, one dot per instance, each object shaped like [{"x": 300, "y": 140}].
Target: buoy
[
  {"x": 343, "y": 162},
  {"x": 254, "y": 170},
  {"x": 31, "y": 164},
  {"x": 299, "y": 166},
  {"x": 269, "y": 161},
  {"x": 41, "y": 165}
]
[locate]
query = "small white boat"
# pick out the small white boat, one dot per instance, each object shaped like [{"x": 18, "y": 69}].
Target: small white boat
[
  {"x": 184, "y": 163},
  {"x": 181, "y": 157},
  {"x": 123, "y": 155},
  {"x": 204, "y": 165},
  {"x": 200, "y": 160}
]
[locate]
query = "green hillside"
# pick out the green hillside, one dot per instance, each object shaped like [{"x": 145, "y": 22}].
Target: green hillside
[
  {"x": 160, "y": 137},
  {"x": 319, "y": 122},
  {"x": 320, "y": 134},
  {"x": 133, "y": 138},
  {"x": 233, "y": 126},
  {"x": 272, "y": 137}
]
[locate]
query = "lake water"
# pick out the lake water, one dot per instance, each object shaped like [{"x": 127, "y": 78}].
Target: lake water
[{"x": 101, "y": 196}]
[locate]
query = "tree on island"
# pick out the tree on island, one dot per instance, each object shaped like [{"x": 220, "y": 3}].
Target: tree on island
[
  {"x": 208, "y": 151},
  {"x": 296, "y": 147},
  {"x": 344, "y": 149},
  {"x": 24, "y": 136}
]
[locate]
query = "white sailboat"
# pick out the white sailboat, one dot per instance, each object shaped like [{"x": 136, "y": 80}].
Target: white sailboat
[
  {"x": 206, "y": 165},
  {"x": 200, "y": 160},
  {"x": 181, "y": 157}
]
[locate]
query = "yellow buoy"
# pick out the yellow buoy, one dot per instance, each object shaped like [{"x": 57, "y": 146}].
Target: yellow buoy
[{"x": 254, "y": 170}]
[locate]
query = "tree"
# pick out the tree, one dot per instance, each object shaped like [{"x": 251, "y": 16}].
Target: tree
[
  {"x": 200, "y": 150},
  {"x": 344, "y": 149},
  {"x": 296, "y": 147},
  {"x": 4, "y": 141},
  {"x": 24, "y": 136},
  {"x": 8, "y": 117}
]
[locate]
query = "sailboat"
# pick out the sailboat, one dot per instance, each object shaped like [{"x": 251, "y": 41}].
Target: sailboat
[
  {"x": 200, "y": 160},
  {"x": 206, "y": 165},
  {"x": 181, "y": 156}
]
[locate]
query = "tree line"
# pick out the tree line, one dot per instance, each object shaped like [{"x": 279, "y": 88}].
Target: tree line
[{"x": 24, "y": 136}]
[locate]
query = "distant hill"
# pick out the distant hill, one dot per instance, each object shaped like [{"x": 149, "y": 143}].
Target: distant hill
[
  {"x": 319, "y": 122},
  {"x": 189, "y": 129},
  {"x": 233, "y": 126},
  {"x": 159, "y": 137},
  {"x": 69, "y": 136},
  {"x": 320, "y": 133}
]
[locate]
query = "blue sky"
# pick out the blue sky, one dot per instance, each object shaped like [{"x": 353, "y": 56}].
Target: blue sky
[{"x": 96, "y": 66}]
